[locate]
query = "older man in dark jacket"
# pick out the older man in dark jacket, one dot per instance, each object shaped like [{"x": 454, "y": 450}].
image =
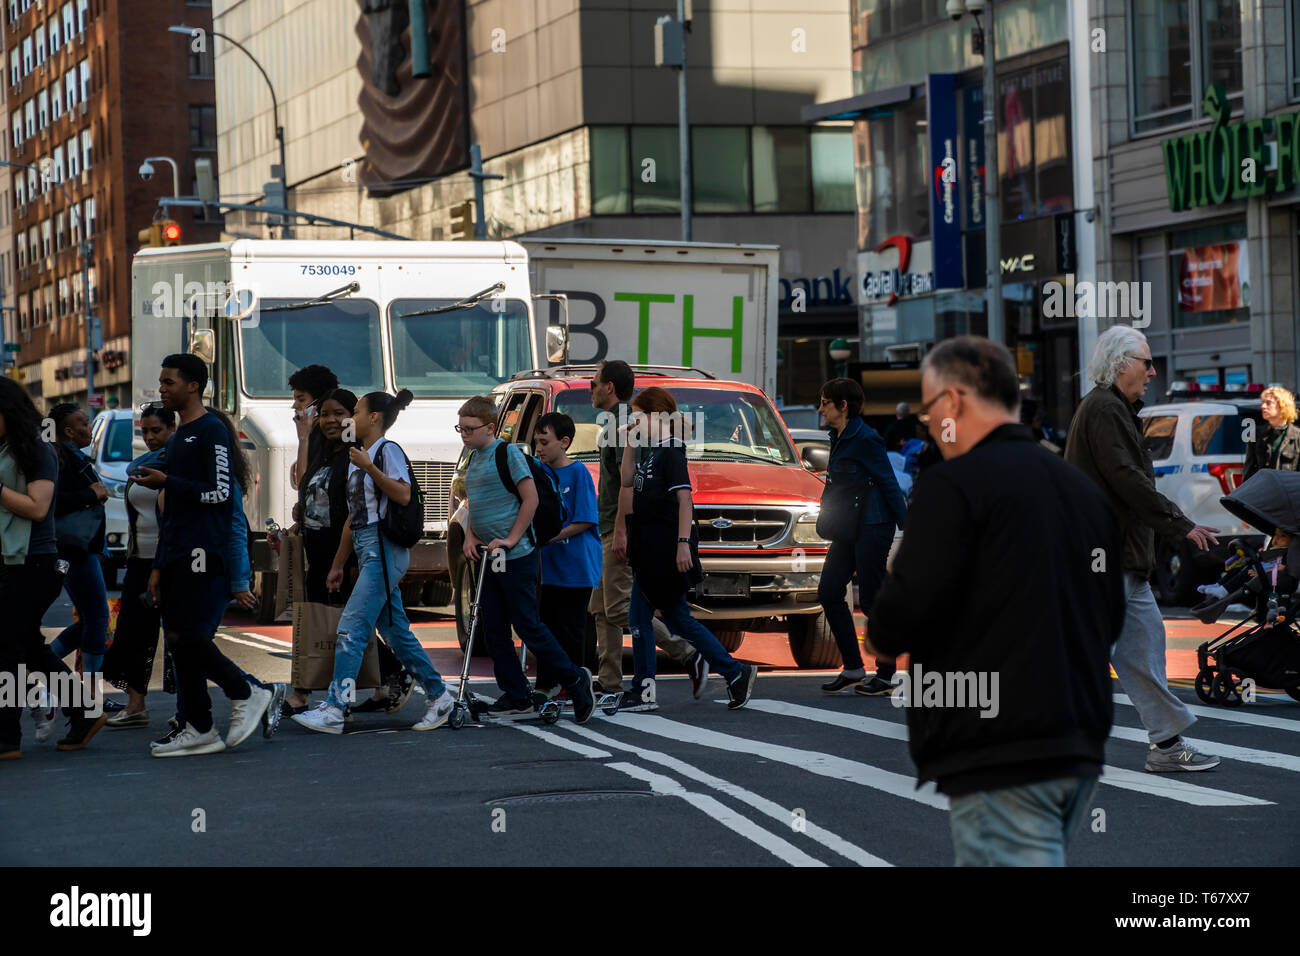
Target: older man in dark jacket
[
  {"x": 1105, "y": 442},
  {"x": 1007, "y": 594}
]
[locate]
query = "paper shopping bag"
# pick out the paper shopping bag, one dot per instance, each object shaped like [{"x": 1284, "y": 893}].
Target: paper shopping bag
[{"x": 315, "y": 632}]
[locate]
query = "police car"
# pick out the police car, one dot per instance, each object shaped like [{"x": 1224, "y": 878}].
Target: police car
[{"x": 1197, "y": 442}]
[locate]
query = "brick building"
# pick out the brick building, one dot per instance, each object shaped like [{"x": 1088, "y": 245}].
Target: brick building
[{"x": 93, "y": 88}]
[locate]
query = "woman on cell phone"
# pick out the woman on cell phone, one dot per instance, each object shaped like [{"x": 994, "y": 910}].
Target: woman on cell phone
[{"x": 129, "y": 662}]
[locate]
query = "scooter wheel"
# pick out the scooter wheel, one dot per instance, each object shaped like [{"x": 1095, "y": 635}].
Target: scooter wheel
[
  {"x": 1204, "y": 685},
  {"x": 610, "y": 708},
  {"x": 456, "y": 720},
  {"x": 550, "y": 714}
]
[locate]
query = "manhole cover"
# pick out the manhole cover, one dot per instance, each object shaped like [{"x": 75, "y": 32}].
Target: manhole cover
[{"x": 568, "y": 796}]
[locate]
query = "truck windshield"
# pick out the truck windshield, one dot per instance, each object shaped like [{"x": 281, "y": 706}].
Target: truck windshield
[
  {"x": 463, "y": 352},
  {"x": 727, "y": 426},
  {"x": 342, "y": 335}
]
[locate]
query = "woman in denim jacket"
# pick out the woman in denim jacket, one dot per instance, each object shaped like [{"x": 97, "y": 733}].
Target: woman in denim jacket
[{"x": 857, "y": 456}]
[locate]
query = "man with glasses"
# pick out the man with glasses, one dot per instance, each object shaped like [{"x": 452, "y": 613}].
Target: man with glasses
[
  {"x": 1105, "y": 442},
  {"x": 611, "y": 390}
]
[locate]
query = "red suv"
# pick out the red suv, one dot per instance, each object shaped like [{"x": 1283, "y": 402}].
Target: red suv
[{"x": 756, "y": 501}]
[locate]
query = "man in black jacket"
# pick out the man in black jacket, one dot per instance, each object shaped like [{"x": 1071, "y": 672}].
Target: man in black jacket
[{"x": 1007, "y": 593}]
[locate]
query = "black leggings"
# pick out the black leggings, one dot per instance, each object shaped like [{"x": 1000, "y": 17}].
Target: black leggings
[{"x": 129, "y": 662}]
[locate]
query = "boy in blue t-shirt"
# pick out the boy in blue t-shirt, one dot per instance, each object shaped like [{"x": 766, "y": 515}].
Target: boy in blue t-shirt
[
  {"x": 500, "y": 534},
  {"x": 571, "y": 561}
]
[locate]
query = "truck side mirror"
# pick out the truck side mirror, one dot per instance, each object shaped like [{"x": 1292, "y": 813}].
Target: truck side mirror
[
  {"x": 204, "y": 344},
  {"x": 557, "y": 344},
  {"x": 817, "y": 457}
]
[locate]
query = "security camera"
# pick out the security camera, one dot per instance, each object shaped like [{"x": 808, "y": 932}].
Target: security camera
[
  {"x": 955, "y": 8},
  {"x": 146, "y": 171},
  {"x": 1090, "y": 215}
]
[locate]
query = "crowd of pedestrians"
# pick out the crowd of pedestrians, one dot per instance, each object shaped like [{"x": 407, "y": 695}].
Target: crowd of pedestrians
[{"x": 997, "y": 573}]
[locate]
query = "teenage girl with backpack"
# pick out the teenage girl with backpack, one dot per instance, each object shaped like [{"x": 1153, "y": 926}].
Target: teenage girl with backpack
[{"x": 376, "y": 599}]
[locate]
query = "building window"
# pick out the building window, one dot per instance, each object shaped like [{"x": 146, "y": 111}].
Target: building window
[
  {"x": 43, "y": 109},
  {"x": 1034, "y": 166},
  {"x": 74, "y": 158},
  {"x": 85, "y": 80},
  {"x": 31, "y": 184},
  {"x": 39, "y": 37},
  {"x": 656, "y": 172},
  {"x": 22, "y": 253},
  {"x": 70, "y": 87},
  {"x": 203, "y": 127},
  {"x": 29, "y": 114},
  {"x": 58, "y": 164},
  {"x": 781, "y": 169},
  {"x": 610, "y": 168},
  {"x": 720, "y": 169},
  {"x": 65, "y": 303},
  {"x": 20, "y": 190},
  {"x": 18, "y": 130},
  {"x": 1208, "y": 268},
  {"x": 56, "y": 40},
  {"x": 13, "y": 11},
  {"x": 45, "y": 238},
  {"x": 1179, "y": 48},
  {"x": 56, "y": 99},
  {"x": 201, "y": 63},
  {"x": 83, "y": 14},
  {"x": 60, "y": 231},
  {"x": 832, "y": 170},
  {"x": 69, "y": 22},
  {"x": 88, "y": 216},
  {"x": 27, "y": 55},
  {"x": 893, "y": 181},
  {"x": 15, "y": 70},
  {"x": 85, "y": 149}
]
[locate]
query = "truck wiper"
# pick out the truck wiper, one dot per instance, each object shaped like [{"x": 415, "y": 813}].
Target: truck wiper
[
  {"x": 466, "y": 303},
  {"x": 340, "y": 293}
]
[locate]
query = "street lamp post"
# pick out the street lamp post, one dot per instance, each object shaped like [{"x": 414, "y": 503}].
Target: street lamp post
[
  {"x": 86, "y": 247},
  {"x": 146, "y": 172},
  {"x": 286, "y": 230}
]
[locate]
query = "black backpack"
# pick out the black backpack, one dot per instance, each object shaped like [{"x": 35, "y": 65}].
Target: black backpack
[
  {"x": 402, "y": 524},
  {"x": 548, "y": 520}
]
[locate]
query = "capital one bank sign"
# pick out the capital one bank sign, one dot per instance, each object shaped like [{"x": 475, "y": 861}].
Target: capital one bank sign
[{"x": 898, "y": 268}]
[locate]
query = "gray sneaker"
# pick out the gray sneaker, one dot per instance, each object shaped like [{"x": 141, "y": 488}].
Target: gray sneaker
[{"x": 1178, "y": 756}]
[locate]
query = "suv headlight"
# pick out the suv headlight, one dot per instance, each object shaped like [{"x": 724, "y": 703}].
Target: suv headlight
[
  {"x": 805, "y": 529},
  {"x": 116, "y": 489}
]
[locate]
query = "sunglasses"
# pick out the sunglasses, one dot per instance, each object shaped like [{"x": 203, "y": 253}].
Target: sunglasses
[{"x": 1146, "y": 362}]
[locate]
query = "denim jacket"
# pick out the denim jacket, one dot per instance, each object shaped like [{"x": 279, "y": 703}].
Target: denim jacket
[{"x": 857, "y": 455}]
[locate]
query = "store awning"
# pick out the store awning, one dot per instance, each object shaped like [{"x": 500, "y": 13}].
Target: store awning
[{"x": 856, "y": 107}]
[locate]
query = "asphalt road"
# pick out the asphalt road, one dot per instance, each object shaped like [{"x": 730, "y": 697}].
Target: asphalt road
[{"x": 796, "y": 778}]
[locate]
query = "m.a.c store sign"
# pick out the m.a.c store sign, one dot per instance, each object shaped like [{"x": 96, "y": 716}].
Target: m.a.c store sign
[{"x": 1229, "y": 161}]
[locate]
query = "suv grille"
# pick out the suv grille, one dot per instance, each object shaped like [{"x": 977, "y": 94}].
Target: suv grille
[
  {"x": 435, "y": 481},
  {"x": 748, "y": 526}
]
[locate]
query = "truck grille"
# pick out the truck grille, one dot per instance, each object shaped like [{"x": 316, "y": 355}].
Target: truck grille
[
  {"x": 435, "y": 481},
  {"x": 748, "y": 526}
]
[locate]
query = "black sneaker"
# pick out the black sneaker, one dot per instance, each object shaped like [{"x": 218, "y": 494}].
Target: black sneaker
[
  {"x": 507, "y": 706},
  {"x": 112, "y": 706},
  {"x": 875, "y": 687},
  {"x": 630, "y": 702},
  {"x": 400, "y": 686},
  {"x": 840, "y": 682},
  {"x": 80, "y": 729},
  {"x": 742, "y": 688},
  {"x": 584, "y": 701},
  {"x": 698, "y": 668}
]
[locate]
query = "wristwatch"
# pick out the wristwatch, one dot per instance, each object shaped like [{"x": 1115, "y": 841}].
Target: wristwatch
[{"x": 683, "y": 540}]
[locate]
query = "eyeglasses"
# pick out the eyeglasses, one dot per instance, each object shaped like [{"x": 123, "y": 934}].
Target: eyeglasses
[
  {"x": 469, "y": 429},
  {"x": 1146, "y": 362},
  {"x": 150, "y": 408},
  {"x": 595, "y": 384},
  {"x": 923, "y": 413}
]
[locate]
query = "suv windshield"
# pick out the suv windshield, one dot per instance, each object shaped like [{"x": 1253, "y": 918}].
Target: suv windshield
[
  {"x": 463, "y": 352},
  {"x": 729, "y": 426},
  {"x": 342, "y": 335},
  {"x": 117, "y": 438}
]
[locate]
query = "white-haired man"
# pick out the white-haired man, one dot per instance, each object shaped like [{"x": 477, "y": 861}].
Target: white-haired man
[{"x": 1105, "y": 442}]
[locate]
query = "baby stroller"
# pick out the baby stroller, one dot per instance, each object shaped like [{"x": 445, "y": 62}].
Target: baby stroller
[{"x": 1267, "y": 651}]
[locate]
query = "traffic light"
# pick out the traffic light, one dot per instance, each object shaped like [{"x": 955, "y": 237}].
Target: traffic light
[
  {"x": 462, "y": 220},
  {"x": 161, "y": 232}
]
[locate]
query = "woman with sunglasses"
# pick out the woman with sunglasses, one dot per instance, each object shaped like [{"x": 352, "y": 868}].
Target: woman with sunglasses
[
  {"x": 129, "y": 662},
  {"x": 861, "y": 506}
]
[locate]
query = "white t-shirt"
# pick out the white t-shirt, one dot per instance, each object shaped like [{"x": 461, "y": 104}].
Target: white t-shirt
[
  {"x": 145, "y": 502},
  {"x": 364, "y": 505}
]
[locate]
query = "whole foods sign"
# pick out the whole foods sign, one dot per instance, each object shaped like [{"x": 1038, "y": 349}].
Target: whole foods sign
[{"x": 1228, "y": 161}]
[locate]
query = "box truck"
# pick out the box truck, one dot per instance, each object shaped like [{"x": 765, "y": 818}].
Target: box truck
[{"x": 445, "y": 319}]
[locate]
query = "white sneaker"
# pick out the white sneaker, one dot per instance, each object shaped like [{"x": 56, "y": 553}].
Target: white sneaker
[
  {"x": 437, "y": 714},
  {"x": 324, "y": 718},
  {"x": 44, "y": 719},
  {"x": 189, "y": 742},
  {"x": 246, "y": 715}
]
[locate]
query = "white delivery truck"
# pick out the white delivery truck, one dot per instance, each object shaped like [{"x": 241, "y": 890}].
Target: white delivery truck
[
  {"x": 712, "y": 306},
  {"x": 445, "y": 319}
]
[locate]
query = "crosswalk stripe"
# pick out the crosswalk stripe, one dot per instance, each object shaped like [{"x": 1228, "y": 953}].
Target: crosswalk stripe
[
  {"x": 240, "y": 640},
  {"x": 1236, "y": 715},
  {"x": 1115, "y": 776},
  {"x": 716, "y": 810},
  {"x": 822, "y": 764},
  {"x": 767, "y": 807},
  {"x": 780, "y": 848}
]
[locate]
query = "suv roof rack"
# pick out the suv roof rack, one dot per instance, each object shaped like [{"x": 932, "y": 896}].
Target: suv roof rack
[{"x": 558, "y": 371}]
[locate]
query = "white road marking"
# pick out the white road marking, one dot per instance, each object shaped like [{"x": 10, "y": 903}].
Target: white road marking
[
  {"x": 269, "y": 643},
  {"x": 1141, "y": 781},
  {"x": 240, "y": 640},
  {"x": 774, "y": 810},
  {"x": 822, "y": 764},
  {"x": 571, "y": 745},
  {"x": 1236, "y": 715},
  {"x": 1266, "y": 758},
  {"x": 782, "y": 849}
]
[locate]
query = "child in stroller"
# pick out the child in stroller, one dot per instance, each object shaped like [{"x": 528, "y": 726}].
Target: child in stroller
[{"x": 1267, "y": 652}]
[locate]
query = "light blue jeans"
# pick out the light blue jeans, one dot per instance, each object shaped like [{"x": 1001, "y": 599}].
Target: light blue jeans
[
  {"x": 366, "y": 609},
  {"x": 1019, "y": 826},
  {"x": 1139, "y": 661}
]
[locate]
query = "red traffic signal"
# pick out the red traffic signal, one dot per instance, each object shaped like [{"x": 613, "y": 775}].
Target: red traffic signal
[{"x": 171, "y": 233}]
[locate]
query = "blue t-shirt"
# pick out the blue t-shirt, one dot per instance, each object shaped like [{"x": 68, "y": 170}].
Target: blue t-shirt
[
  {"x": 493, "y": 508},
  {"x": 574, "y": 562}
]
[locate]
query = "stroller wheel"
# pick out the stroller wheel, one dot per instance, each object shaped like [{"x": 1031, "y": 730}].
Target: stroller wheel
[
  {"x": 1204, "y": 685},
  {"x": 1227, "y": 687}
]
